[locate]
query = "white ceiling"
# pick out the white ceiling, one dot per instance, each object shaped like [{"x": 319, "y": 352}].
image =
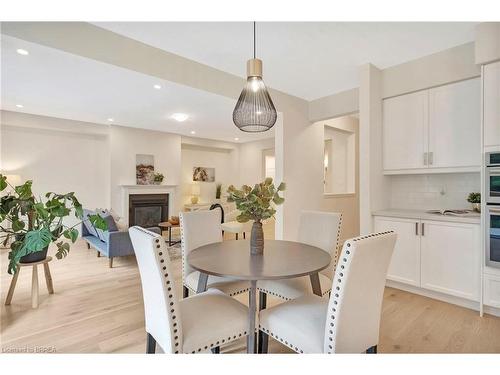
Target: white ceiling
[
  {"x": 308, "y": 60},
  {"x": 53, "y": 83}
]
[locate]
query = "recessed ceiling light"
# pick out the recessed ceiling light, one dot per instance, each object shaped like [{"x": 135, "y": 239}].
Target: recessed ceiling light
[
  {"x": 181, "y": 117},
  {"x": 192, "y": 132},
  {"x": 236, "y": 139},
  {"x": 111, "y": 119},
  {"x": 22, "y": 52},
  {"x": 19, "y": 105},
  {"x": 158, "y": 87}
]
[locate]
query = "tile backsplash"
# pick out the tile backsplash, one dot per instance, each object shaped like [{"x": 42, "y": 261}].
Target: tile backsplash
[{"x": 433, "y": 191}]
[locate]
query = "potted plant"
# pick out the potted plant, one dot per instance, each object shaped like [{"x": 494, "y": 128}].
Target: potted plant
[
  {"x": 158, "y": 178},
  {"x": 256, "y": 204},
  {"x": 475, "y": 199},
  {"x": 33, "y": 224}
]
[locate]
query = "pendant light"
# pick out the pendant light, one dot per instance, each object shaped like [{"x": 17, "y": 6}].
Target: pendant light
[{"x": 254, "y": 111}]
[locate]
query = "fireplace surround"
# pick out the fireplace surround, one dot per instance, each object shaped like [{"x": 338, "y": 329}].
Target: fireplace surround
[{"x": 148, "y": 210}]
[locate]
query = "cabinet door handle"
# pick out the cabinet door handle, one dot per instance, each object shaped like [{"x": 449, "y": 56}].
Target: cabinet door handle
[
  {"x": 431, "y": 158},
  {"x": 416, "y": 229},
  {"x": 423, "y": 229},
  {"x": 425, "y": 158}
]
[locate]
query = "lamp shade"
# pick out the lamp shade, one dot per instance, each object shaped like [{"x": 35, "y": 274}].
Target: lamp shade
[
  {"x": 195, "y": 189},
  {"x": 254, "y": 111}
]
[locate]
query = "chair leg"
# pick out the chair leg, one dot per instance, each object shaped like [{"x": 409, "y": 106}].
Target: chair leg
[
  {"x": 150, "y": 344},
  {"x": 216, "y": 350},
  {"x": 110, "y": 262},
  {"x": 263, "y": 342},
  {"x": 262, "y": 337},
  {"x": 88, "y": 246},
  {"x": 244, "y": 237},
  {"x": 185, "y": 291},
  {"x": 372, "y": 350},
  {"x": 236, "y": 236},
  {"x": 98, "y": 254}
]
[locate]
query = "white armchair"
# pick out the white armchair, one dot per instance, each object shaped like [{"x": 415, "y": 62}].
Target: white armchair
[
  {"x": 349, "y": 321},
  {"x": 200, "y": 228},
  {"x": 231, "y": 225},
  {"x": 195, "y": 324}
]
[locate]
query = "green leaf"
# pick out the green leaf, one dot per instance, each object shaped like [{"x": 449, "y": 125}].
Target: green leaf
[
  {"x": 24, "y": 190},
  {"x": 17, "y": 225},
  {"x": 71, "y": 234},
  {"x": 98, "y": 222},
  {"x": 282, "y": 187},
  {"x": 62, "y": 249},
  {"x": 278, "y": 200},
  {"x": 3, "y": 182}
]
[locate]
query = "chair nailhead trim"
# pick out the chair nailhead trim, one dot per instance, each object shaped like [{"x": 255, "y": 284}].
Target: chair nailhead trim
[
  {"x": 283, "y": 341},
  {"x": 339, "y": 275}
]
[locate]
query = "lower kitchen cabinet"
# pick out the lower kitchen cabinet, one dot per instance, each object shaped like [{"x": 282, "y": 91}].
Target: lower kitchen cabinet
[
  {"x": 405, "y": 261},
  {"x": 450, "y": 258},
  {"x": 492, "y": 290},
  {"x": 435, "y": 255}
]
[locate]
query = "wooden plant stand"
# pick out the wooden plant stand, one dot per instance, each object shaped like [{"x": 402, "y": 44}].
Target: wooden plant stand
[{"x": 34, "y": 281}]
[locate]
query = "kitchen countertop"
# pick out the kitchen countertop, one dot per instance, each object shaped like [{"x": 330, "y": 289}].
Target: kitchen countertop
[{"x": 472, "y": 218}]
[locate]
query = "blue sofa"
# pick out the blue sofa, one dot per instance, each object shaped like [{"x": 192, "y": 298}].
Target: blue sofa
[{"x": 114, "y": 243}]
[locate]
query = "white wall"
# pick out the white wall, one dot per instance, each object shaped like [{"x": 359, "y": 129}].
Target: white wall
[
  {"x": 224, "y": 160},
  {"x": 126, "y": 143},
  {"x": 252, "y": 160},
  {"x": 58, "y": 155}
]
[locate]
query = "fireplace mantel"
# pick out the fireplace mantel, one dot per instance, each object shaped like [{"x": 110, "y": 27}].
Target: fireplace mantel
[{"x": 127, "y": 190}]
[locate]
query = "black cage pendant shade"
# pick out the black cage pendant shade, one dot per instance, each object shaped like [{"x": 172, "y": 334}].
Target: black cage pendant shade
[{"x": 254, "y": 111}]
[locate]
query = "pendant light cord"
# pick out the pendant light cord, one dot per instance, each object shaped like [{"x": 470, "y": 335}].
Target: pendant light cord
[{"x": 254, "y": 39}]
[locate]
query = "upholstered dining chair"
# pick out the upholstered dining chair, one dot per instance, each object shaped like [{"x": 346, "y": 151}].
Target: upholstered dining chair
[
  {"x": 191, "y": 325},
  {"x": 200, "y": 228},
  {"x": 347, "y": 322},
  {"x": 316, "y": 228}
]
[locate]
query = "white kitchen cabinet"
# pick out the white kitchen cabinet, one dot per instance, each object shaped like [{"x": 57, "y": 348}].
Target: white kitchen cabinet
[
  {"x": 455, "y": 125},
  {"x": 405, "y": 131},
  {"x": 435, "y": 130},
  {"x": 491, "y": 104},
  {"x": 450, "y": 258},
  {"x": 492, "y": 290},
  {"x": 405, "y": 261}
]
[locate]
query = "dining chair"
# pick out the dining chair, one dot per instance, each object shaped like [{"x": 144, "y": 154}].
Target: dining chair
[
  {"x": 347, "y": 322},
  {"x": 191, "y": 325},
  {"x": 316, "y": 228},
  {"x": 200, "y": 228}
]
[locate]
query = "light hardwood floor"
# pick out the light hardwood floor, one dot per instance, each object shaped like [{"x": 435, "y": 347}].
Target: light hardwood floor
[{"x": 96, "y": 309}]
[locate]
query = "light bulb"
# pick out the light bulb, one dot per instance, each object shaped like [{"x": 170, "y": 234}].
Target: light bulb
[{"x": 255, "y": 84}]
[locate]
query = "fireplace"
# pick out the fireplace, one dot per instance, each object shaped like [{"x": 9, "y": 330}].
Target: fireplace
[{"x": 147, "y": 210}]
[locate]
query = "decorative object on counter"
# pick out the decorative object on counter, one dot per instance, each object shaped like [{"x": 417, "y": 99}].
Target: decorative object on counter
[
  {"x": 195, "y": 193},
  {"x": 475, "y": 200},
  {"x": 158, "y": 178},
  {"x": 218, "y": 191},
  {"x": 203, "y": 174},
  {"x": 256, "y": 204},
  {"x": 174, "y": 220},
  {"x": 254, "y": 111},
  {"x": 144, "y": 169},
  {"x": 35, "y": 224}
]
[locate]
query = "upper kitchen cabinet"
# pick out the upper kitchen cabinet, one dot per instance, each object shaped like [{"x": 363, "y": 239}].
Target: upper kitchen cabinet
[
  {"x": 405, "y": 128},
  {"x": 455, "y": 125},
  {"x": 491, "y": 109},
  {"x": 433, "y": 131}
]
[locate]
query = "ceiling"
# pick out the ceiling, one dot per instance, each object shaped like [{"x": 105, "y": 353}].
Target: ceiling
[
  {"x": 306, "y": 59},
  {"x": 53, "y": 83}
]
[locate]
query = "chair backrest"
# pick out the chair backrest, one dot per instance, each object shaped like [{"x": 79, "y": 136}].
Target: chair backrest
[
  {"x": 322, "y": 229},
  {"x": 161, "y": 308},
  {"x": 198, "y": 228},
  {"x": 354, "y": 309},
  {"x": 219, "y": 206}
]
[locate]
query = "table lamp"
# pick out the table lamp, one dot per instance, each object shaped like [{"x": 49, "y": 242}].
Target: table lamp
[{"x": 195, "y": 193}]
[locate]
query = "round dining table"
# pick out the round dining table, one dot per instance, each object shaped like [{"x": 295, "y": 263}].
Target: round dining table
[{"x": 280, "y": 260}]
